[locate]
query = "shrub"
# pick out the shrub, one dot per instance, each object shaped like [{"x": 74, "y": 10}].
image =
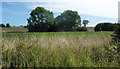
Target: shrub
[
  {"x": 104, "y": 27},
  {"x": 117, "y": 29},
  {"x": 82, "y": 29},
  {"x": 25, "y": 26},
  {"x": 2, "y": 25},
  {"x": 114, "y": 49}
]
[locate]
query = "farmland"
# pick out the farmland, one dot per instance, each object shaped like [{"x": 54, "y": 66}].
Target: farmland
[{"x": 57, "y": 49}]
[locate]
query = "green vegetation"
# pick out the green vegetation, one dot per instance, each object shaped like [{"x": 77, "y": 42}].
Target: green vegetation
[
  {"x": 7, "y": 25},
  {"x": 57, "y": 49},
  {"x": 44, "y": 45},
  {"x": 116, "y": 40},
  {"x": 82, "y": 29},
  {"x": 68, "y": 20},
  {"x": 40, "y": 20},
  {"x": 117, "y": 29},
  {"x": 2, "y": 25},
  {"x": 105, "y": 27},
  {"x": 85, "y": 22}
]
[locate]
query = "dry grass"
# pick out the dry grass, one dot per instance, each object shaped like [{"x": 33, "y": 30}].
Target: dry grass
[
  {"x": 59, "y": 49},
  {"x": 14, "y": 29}
]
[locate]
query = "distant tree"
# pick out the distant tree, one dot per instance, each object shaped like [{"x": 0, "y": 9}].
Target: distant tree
[
  {"x": 7, "y": 25},
  {"x": 85, "y": 22},
  {"x": 21, "y": 25},
  {"x": 14, "y": 26},
  {"x": 2, "y": 25},
  {"x": 25, "y": 26},
  {"x": 40, "y": 20},
  {"x": 68, "y": 20},
  {"x": 104, "y": 27}
]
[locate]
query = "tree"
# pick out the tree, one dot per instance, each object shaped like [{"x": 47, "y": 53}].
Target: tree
[
  {"x": 7, "y": 25},
  {"x": 40, "y": 20},
  {"x": 68, "y": 20},
  {"x": 2, "y": 25},
  {"x": 104, "y": 27},
  {"x": 85, "y": 22}
]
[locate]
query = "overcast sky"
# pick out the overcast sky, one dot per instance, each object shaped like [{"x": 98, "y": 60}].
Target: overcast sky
[{"x": 104, "y": 8}]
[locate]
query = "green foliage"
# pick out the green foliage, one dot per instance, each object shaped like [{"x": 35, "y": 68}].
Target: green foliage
[
  {"x": 82, "y": 29},
  {"x": 2, "y": 25},
  {"x": 117, "y": 29},
  {"x": 84, "y": 49},
  {"x": 40, "y": 20},
  {"x": 7, "y": 25},
  {"x": 85, "y": 22},
  {"x": 116, "y": 37},
  {"x": 68, "y": 20},
  {"x": 104, "y": 27},
  {"x": 112, "y": 52}
]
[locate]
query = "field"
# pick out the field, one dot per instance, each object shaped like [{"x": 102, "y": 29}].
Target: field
[
  {"x": 57, "y": 49},
  {"x": 14, "y": 29}
]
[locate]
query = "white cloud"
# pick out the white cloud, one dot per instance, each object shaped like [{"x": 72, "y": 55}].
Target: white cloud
[{"x": 106, "y": 8}]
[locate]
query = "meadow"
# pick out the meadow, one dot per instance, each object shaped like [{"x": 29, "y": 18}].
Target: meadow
[{"x": 57, "y": 49}]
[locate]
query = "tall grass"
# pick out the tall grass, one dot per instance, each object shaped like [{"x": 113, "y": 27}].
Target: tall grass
[{"x": 61, "y": 49}]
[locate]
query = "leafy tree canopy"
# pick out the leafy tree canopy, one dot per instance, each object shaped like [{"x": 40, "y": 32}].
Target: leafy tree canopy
[
  {"x": 7, "y": 25},
  {"x": 85, "y": 22},
  {"x": 40, "y": 20},
  {"x": 2, "y": 25},
  {"x": 104, "y": 27},
  {"x": 68, "y": 20}
]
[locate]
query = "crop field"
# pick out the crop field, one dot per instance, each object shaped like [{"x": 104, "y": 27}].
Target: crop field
[{"x": 57, "y": 49}]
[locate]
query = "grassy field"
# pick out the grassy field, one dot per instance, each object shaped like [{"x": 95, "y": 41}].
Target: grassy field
[
  {"x": 14, "y": 29},
  {"x": 57, "y": 49}
]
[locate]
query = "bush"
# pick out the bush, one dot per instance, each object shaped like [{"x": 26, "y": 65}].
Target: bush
[
  {"x": 25, "y": 26},
  {"x": 82, "y": 29},
  {"x": 2, "y": 25},
  {"x": 117, "y": 29},
  {"x": 116, "y": 42},
  {"x": 104, "y": 27}
]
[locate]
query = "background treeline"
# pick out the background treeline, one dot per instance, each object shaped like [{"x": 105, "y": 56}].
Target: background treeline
[
  {"x": 42, "y": 20},
  {"x": 3, "y": 25},
  {"x": 105, "y": 26}
]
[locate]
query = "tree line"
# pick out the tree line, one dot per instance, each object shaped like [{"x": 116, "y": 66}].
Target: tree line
[
  {"x": 42, "y": 20},
  {"x": 107, "y": 26},
  {"x": 3, "y": 25}
]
